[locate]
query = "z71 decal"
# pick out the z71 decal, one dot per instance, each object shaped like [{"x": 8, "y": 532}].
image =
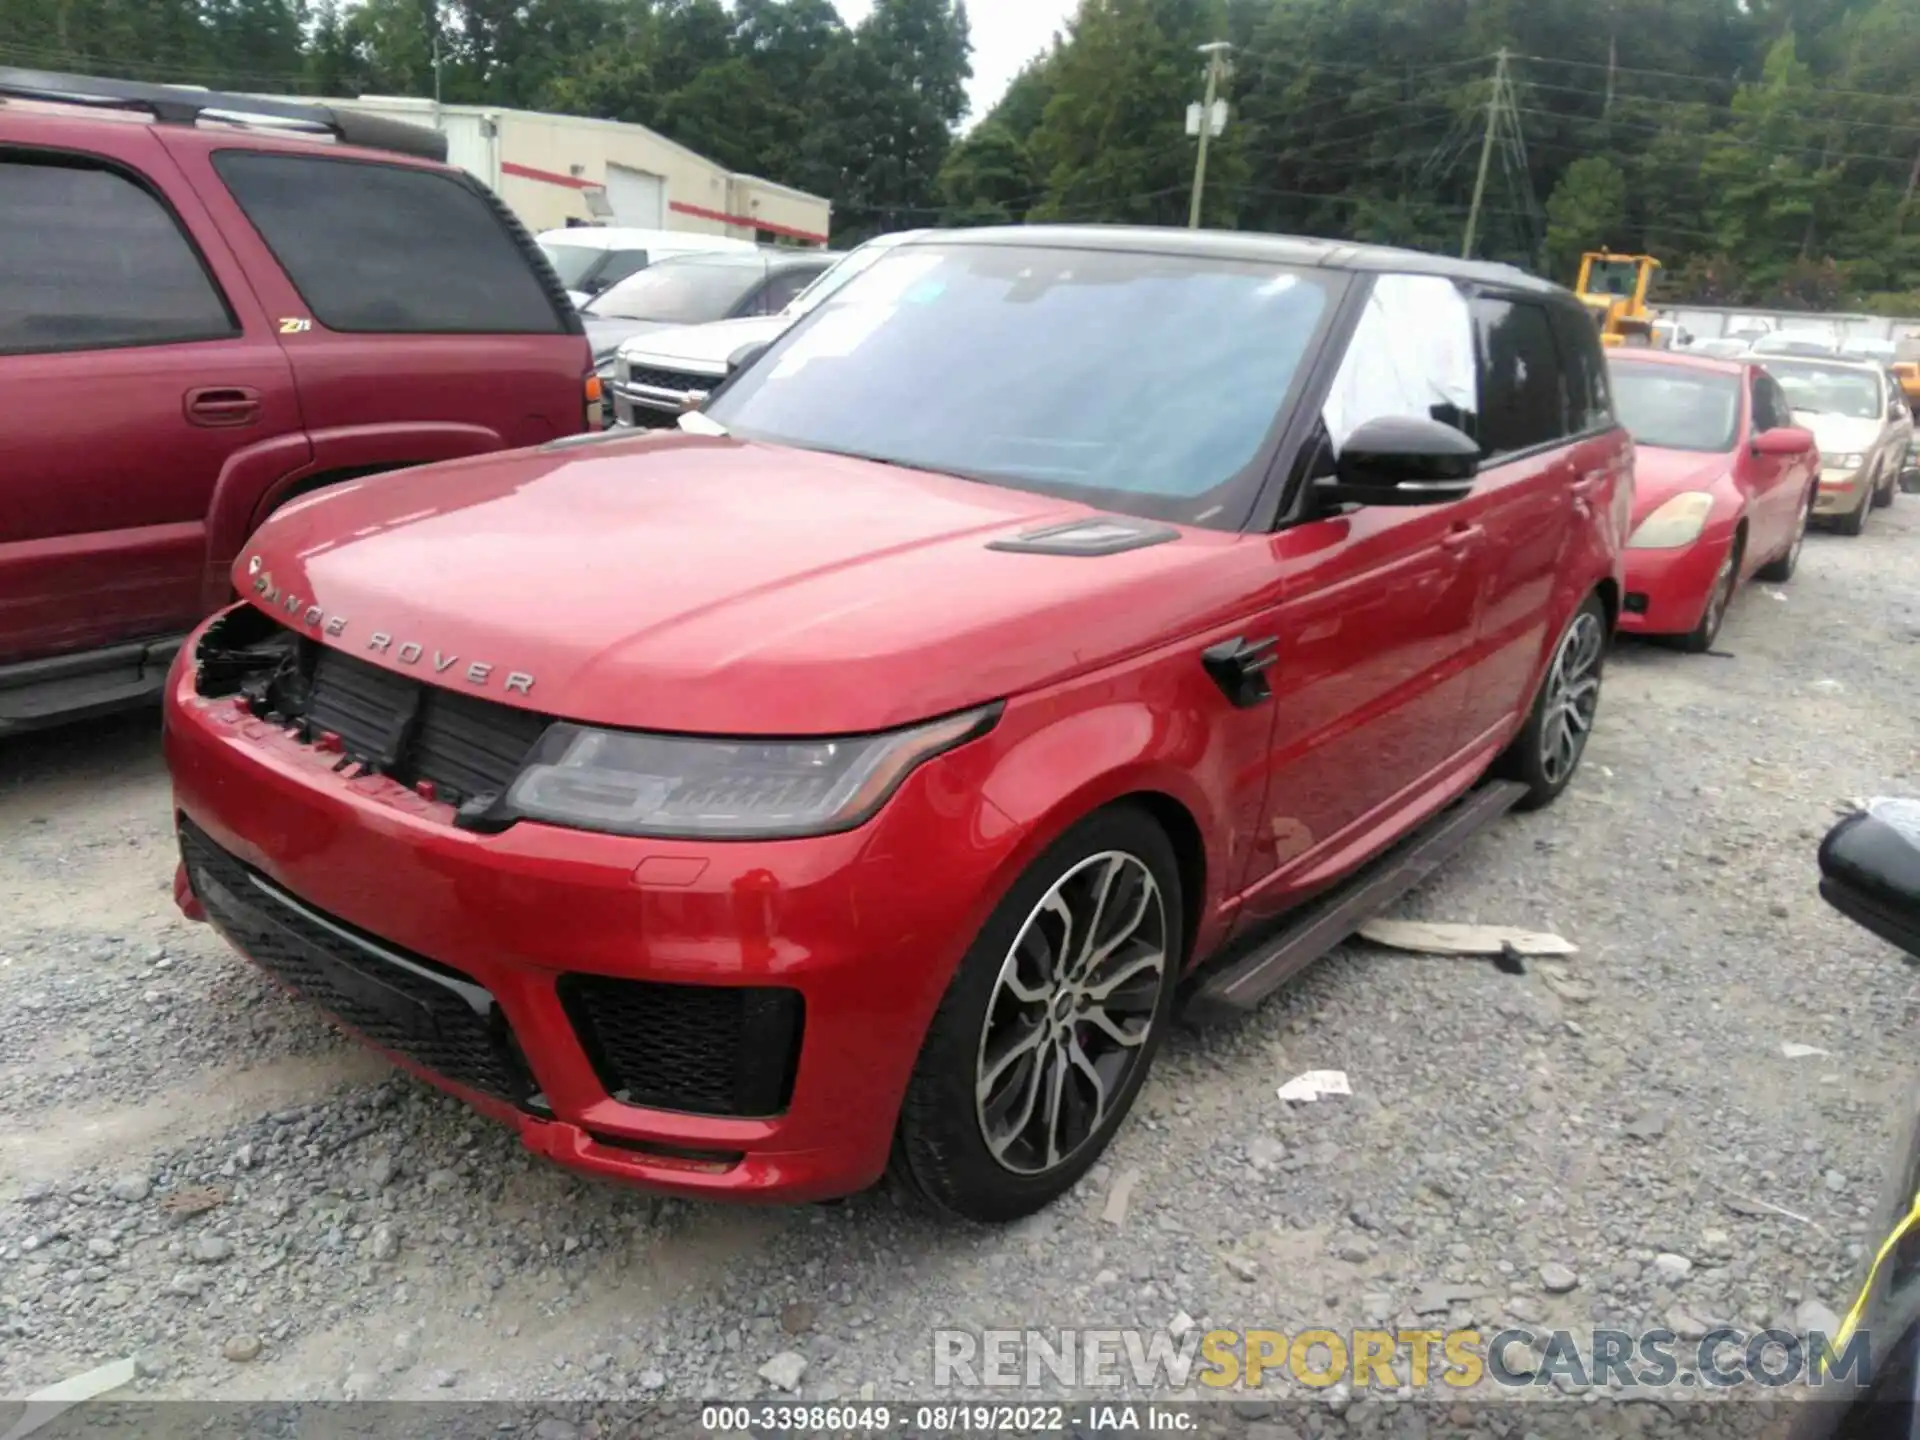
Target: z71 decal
[{"x": 295, "y": 325}]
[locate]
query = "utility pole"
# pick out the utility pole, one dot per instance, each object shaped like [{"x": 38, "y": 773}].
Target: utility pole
[
  {"x": 1216, "y": 53},
  {"x": 1494, "y": 102},
  {"x": 436, "y": 61}
]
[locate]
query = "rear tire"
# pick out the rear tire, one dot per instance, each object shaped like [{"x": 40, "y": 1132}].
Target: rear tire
[
  {"x": 1546, "y": 752},
  {"x": 1780, "y": 571},
  {"x": 1883, "y": 497},
  {"x": 1017, "y": 1091}
]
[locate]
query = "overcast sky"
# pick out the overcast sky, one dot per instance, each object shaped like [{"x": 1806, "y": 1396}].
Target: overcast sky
[{"x": 1006, "y": 34}]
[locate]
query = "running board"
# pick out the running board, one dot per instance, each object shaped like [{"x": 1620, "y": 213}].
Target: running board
[
  {"x": 37, "y": 693},
  {"x": 1237, "y": 984}
]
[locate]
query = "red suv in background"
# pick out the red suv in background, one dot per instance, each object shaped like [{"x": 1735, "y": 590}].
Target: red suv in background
[
  {"x": 204, "y": 313},
  {"x": 1049, "y": 613}
]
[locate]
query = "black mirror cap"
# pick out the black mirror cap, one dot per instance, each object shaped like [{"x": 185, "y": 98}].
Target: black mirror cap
[
  {"x": 745, "y": 356},
  {"x": 1402, "y": 460},
  {"x": 1870, "y": 872}
]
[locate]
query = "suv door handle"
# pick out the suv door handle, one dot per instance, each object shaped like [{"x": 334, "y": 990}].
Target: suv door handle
[
  {"x": 215, "y": 405},
  {"x": 1462, "y": 537}
]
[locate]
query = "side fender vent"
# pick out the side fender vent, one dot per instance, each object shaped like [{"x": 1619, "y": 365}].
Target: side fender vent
[{"x": 1096, "y": 535}]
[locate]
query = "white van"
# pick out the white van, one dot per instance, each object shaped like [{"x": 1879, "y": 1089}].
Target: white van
[{"x": 589, "y": 258}]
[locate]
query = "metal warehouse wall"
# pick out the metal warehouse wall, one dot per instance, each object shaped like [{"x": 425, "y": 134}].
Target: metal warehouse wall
[{"x": 544, "y": 167}]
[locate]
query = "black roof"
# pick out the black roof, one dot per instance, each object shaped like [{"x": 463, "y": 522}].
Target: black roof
[{"x": 1297, "y": 250}]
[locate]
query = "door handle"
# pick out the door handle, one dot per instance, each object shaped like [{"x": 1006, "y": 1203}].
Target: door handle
[
  {"x": 216, "y": 405},
  {"x": 1462, "y": 537},
  {"x": 1591, "y": 481}
]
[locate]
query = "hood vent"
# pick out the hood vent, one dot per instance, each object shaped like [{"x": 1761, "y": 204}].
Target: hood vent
[{"x": 1095, "y": 535}]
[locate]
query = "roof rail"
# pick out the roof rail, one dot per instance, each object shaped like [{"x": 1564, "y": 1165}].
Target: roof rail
[{"x": 184, "y": 105}]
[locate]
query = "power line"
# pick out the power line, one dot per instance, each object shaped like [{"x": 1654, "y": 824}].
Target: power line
[
  {"x": 1713, "y": 79},
  {"x": 1720, "y": 138},
  {"x": 69, "y": 59},
  {"x": 1721, "y": 107}
]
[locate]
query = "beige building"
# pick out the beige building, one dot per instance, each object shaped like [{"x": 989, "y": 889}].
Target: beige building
[{"x": 559, "y": 169}]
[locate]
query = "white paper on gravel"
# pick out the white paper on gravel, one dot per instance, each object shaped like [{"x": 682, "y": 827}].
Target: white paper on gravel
[{"x": 1316, "y": 1085}]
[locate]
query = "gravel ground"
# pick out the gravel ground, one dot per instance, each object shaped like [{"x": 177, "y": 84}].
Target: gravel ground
[{"x": 196, "y": 1170}]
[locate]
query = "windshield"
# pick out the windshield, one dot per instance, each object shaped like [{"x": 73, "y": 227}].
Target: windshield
[
  {"x": 572, "y": 263},
  {"x": 1141, "y": 383},
  {"x": 682, "y": 290},
  {"x": 1829, "y": 390},
  {"x": 835, "y": 276},
  {"x": 1673, "y": 409},
  {"x": 1612, "y": 277}
]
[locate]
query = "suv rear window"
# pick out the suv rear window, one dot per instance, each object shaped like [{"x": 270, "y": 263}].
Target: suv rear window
[
  {"x": 88, "y": 260},
  {"x": 389, "y": 249}
]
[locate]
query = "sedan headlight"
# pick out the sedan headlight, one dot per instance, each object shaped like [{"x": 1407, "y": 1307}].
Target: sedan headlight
[
  {"x": 1852, "y": 460},
  {"x": 1676, "y": 523},
  {"x": 689, "y": 787}
]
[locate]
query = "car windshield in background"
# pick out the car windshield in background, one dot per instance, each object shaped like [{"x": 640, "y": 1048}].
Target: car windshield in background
[
  {"x": 572, "y": 263},
  {"x": 1141, "y": 383},
  {"x": 1674, "y": 409},
  {"x": 1828, "y": 390},
  {"x": 682, "y": 290}
]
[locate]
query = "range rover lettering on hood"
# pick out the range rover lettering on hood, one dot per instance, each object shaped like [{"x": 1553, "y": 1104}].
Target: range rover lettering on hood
[{"x": 408, "y": 652}]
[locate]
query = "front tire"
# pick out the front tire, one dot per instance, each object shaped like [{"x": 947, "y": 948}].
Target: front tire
[
  {"x": 1546, "y": 752},
  {"x": 1854, "y": 522},
  {"x": 1049, "y": 1025},
  {"x": 1883, "y": 497},
  {"x": 1719, "y": 599}
]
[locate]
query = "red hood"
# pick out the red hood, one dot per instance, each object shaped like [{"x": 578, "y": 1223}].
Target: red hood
[
  {"x": 687, "y": 583},
  {"x": 1659, "y": 475}
]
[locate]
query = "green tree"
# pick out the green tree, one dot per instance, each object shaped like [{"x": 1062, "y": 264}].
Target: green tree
[
  {"x": 989, "y": 179},
  {"x": 1112, "y": 144},
  {"x": 1587, "y": 211}
]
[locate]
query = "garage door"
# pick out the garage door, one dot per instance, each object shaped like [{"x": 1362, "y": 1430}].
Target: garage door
[{"x": 638, "y": 199}]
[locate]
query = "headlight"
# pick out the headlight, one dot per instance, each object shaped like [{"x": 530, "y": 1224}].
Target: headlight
[
  {"x": 1676, "y": 523},
  {"x": 1849, "y": 461},
  {"x": 688, "y": 787}
]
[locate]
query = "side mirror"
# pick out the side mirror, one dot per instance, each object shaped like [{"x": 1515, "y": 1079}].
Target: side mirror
[
  {"x": 1870, "y": 871},
  {"x": 1399, "y": 460},
  {"x": 745, "y": 356},
  {"x": 1783, "y": 440}
]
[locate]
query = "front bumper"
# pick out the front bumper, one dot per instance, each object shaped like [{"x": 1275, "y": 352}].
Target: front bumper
[
  {"x": 523, "y": 919},
  {"x": 1840, "y": 491},
  {"x": 1667, "y": 590}
]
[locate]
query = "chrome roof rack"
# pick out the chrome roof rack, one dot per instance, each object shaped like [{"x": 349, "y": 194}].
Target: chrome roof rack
[{"x": 186, "y": 105}]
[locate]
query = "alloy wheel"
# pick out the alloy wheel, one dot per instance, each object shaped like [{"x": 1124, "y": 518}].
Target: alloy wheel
[
  {"x": 1573, "y": 697},
  {"x": 1070, "y": 1013}
]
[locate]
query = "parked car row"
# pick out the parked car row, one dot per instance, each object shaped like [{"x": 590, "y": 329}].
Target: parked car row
[{"x": 1033, "y": 629}]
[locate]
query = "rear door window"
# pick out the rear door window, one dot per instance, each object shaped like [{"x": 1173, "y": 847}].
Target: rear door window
[
  {"x": 90, "y": 260},
  {"x": 389, "y": 249},
  {"x": 1524, "y": 402}
]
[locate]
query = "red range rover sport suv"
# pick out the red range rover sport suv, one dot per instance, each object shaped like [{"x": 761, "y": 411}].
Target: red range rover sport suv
[{"x": 845, "y": 782}]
